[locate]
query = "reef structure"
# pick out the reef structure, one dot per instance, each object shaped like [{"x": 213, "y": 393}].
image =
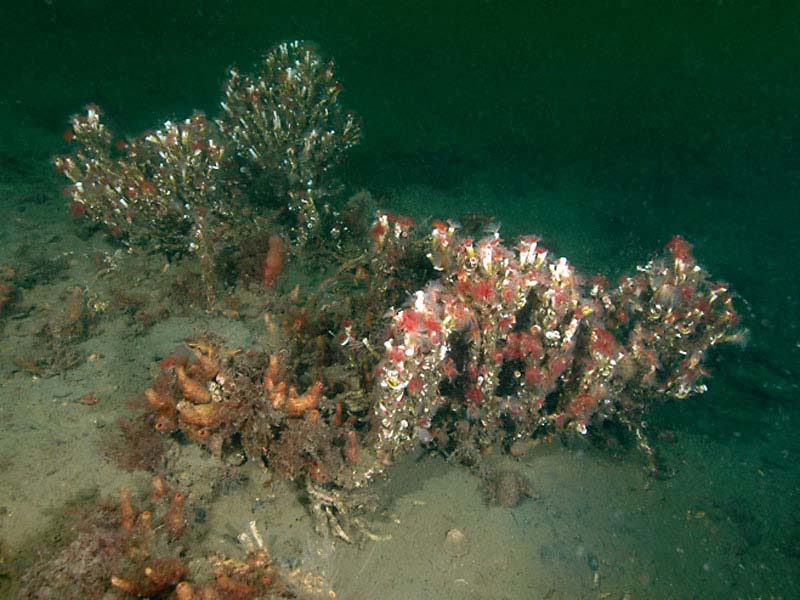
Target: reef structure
[
  {"x": 509, "y": 343},
  {"x": 495, "y": 344},
  {"x": 138, "y": 547},
  {"x": 198, "y": 186},
  {"x": 285, "y": 124}
]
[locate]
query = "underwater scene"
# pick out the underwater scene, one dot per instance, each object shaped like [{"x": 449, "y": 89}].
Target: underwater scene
[{"x": 475, "y": 300}]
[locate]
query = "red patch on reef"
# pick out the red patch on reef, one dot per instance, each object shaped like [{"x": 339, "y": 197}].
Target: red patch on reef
[
  {"x": 603, "y": 342},
  {"x": 530, "y": 346},
  {"x": 378, "y": 232},
  {"x": 415, "y": 386},
  {"x": 474, "y": 394},
  {"x": 512, "y": 350},
  {"x": 77, "y": 209},
  {"x": 411, "y": 321},
  {"x": 397, "y": 355},
  {"x": 450, "y": 369},
  {"x": 680, "y": 249},
  {"x": 584, "y": 404},
  {"x": 462, "y": 287},
  {"x": 483, "y": 292},
  {"x": 558, "y": 366},
  {"x": 148, "y": 188},
  {"x": 533, "y": 375},
  {"x": 403, "y": 222},
  {"x": 432, "y": 325},
  {"x": 506, "y": 323}
]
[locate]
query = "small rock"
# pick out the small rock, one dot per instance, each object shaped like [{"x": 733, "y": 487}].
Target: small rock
[
  {"x": 507, "y": 488},
  {"x": 455, "y": 543}
]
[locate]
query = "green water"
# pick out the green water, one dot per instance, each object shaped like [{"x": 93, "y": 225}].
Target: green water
[{"x": 605, "y": 127}]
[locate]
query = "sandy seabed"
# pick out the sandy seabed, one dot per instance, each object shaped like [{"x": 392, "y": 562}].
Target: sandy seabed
[{"x": 724, "y": 525}]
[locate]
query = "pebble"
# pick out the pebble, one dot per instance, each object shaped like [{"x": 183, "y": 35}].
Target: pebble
[{"x": 456, "y": 543}]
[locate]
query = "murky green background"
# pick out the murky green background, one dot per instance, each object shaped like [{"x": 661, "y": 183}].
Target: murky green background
[{"x": 604, "y": 126}]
